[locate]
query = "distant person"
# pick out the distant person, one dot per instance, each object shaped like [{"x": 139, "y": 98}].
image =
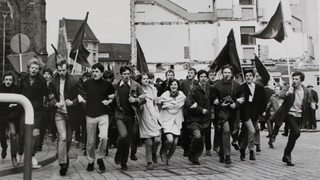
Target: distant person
[
  {"x": 312, "y": 123},
  {"x": 165, "y": 84}
]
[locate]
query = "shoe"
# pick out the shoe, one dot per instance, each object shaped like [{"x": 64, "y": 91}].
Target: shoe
[
  {"x": 101, "y": 165},
  {"x": 252, "y": 156},
  {"x": 4, "y": 153},
  {"x": 268, "y": 136},
  {"x": 235, "y": 145},
  {"x": 258, "y": 149},
  {"x": 63, "y": 169},
  {"x": 117, "y": 159},
  {"x": 185, "y": 153},
  {"x": 149, "y": 166},
  {"x": 228, "y": 160},
  {"x": 14, "y": 161},
  {"x": 196, "y": 162},
  {"x": 107, "y": 152},
  {"x": 90, "y": 167},
  {"x": 270, "y": 144},
  {"x": 167, "y": 162},
  {"x": 287, "y": 160},
  {"x": 133, "y": 157},
  {"x": 124, "y": 167},
  {"x": 35, "y": 163},
  {"x": 19, "y": 159},
  {"x": 242, "y": 154},
  {"x": 284, "y": 134},
  {"x": 154, "y": 158},
  {"x": 221, "y": 159},
  {"x": 163, "y": 156},
  {"x": 208, "y": 153}
]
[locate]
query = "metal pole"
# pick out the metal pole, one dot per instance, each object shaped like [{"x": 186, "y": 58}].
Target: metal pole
[
  {"x": 29, "y": 121},
  {"x": 4, "y": 43}
]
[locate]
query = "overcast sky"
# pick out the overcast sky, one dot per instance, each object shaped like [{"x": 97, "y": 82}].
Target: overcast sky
[{"x": 108, "y": 19}]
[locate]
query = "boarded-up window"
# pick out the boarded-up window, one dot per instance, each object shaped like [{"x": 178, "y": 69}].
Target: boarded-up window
[
  {"x": 248, "y": 53},
  {"x": 247, "y": 13}
]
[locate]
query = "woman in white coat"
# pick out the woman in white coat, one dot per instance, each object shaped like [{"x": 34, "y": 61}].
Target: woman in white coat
[
  {"x": 171, "y": 118},
  {"x": 149, "y": 126}
]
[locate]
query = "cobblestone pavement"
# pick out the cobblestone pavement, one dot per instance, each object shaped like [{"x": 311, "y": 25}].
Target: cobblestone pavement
[{"x": 268, "y": 165}]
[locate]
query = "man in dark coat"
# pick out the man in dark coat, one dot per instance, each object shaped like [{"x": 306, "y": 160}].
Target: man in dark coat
[
  {"x": 312, "y": 123},
  {"x": 253, "y": 106},
  {"x": 297, "y": 102},
  {"x": 164, "y": 85},
  {"x": 63, "y": 92},
  {"x": 198, "y": 104},
  {"x": 185, "y": 86},
  {"x": 227, "y": 98},
  {"x": 34, "y": 87}
]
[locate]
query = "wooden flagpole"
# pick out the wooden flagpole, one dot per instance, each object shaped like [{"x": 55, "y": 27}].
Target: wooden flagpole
[{"x": 74, "y": 63}]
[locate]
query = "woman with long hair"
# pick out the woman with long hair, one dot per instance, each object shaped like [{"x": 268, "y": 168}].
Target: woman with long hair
[
  {"x": 171, "y": 118},
  {"x": 148, "y": 118}
]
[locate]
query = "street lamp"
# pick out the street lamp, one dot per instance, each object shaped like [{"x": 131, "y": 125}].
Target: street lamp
[{"x": 5, "y": 11}]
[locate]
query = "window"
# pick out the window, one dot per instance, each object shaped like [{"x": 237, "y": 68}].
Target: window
[
  {"x": 245, "y": 38},
  {"x": 318, "y": 80},
  {"x": 246, "y": 2}
]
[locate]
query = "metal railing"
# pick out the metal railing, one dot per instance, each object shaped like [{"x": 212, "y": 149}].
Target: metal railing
[{"x": 29, "y": 121}]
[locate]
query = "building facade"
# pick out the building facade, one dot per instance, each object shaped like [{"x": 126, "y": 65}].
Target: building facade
[
  {"x": 27, "y": 17},
  {"x": 67, "y": 31}
]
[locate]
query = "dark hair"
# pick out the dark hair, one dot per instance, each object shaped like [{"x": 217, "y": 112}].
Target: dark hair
[
  {"x": 150, "y": 75},
  {"x": 98, "y": 66},
  {"x": 194, "y": 70},
  {"x": 8, "y": 73},
  {"x": 125, "y": 68},
  {"x": 61, "y": 62},
  {"x": 227, "y": 67},
  {"x": 211, "y": 71},
  {"x": 299, "y": 73},
  {"x": 171, "y": 81},
  {"x": 139, "y": 77},
  {"x": 108, "y": 74},
  {"x": 158, "y": 80},
  {"x": 86, "y": 74},
  {"x": 170, "y": 71},
  {"x": 48, "y": 70},
  {"x": 201, "y": 71},
  {"x": 249, "y": 71}
]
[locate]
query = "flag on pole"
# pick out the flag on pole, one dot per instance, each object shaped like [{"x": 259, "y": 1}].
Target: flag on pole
[
  {"x": 78, "y": 52},
  {"x": 262, "y": 70},
  {"x": 228, "y": 55},
  {"x": 141, "y": 60},
  {"x": 275, "y": 28}
]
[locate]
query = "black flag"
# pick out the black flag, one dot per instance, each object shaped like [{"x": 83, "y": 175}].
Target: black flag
[{"x": 228, "y": 55}]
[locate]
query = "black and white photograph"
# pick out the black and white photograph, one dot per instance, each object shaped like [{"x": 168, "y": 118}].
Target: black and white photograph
[{"x": 159, "y": 89}]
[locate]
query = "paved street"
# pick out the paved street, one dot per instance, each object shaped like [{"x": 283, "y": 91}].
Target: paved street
[{"x": 268, "y": 165}]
